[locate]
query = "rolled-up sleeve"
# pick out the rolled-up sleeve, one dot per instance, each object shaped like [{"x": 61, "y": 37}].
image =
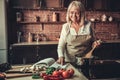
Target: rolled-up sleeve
[{"x": 62, "y": 42}]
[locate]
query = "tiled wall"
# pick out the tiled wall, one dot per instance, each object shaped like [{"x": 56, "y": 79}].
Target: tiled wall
[{"x": 105, "y": 31}]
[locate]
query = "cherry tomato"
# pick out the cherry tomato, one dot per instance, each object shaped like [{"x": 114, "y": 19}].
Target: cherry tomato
[
  {"x": 56, "y": 73},
  {"x": 71, "y": 71},
  {"x": 66, "y": 74}
]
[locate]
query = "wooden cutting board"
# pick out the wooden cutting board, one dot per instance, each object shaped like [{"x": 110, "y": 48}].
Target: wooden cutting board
[
  {"x": 15, "y": 72},
  {"x": 14, "y": 75}
]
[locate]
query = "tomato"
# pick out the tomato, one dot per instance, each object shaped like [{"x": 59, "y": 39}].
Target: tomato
[
  {"x": 2, "y": 75},
  {"x": 45, "y": 77},
  {"x": 61, "y": 70},
  {"x": 43, "y": 74},
  {"x": 56, "y": 73},
  {"x": 71, "y": 71},
  {"x": 65, "y": 74}
]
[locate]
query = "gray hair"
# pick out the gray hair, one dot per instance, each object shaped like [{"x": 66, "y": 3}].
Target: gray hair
[{"x": 78, "y": 5}]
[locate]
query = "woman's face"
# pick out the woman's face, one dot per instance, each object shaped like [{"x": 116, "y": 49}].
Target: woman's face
[{"x": 74, "y": 14}]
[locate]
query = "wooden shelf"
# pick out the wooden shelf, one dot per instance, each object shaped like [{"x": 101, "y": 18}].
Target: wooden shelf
[
  {"x": 35, "y": 43},
  {"x": 105, "y": 21},
  {"x": 38, "y": 8},
  {"x": 40, "y": 22}
]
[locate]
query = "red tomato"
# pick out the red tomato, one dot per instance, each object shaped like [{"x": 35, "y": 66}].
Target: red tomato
[
  {"x": 66, "y": 74},
  {"x": 56, "y": 73},
  {"x": 45, "y": 77},
  {"x": 71, "y": 71},
  {"x": 61, "y": 70},
  {"x": 43, "y": 74}
]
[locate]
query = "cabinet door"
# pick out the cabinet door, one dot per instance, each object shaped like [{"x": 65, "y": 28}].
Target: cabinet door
[{"x": 32, "y": 54}]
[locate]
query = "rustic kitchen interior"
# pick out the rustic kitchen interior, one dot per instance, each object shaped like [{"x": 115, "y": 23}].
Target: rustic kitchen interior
[{"x": 31, "y": 29}]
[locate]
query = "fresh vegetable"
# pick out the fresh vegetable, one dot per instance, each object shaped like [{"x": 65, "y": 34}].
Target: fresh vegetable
[
  {"x": 46, "y": 77},
  {"x": 35, "y": 76},
  {"x": 50, "y": 70},
  {"x": 51, "y": 77},
  {"x": 2, "y": 76},
  {"x": 42, "y": 74},
  {"x": 71, "y": 71},
  {"x": 66, "y": 74},
  {"x": 61, "y": 71},
  {"x": 56, "y": 73}
]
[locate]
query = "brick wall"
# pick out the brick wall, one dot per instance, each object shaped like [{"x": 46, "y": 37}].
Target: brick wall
[
  {"x": 50, "y": 30},
  {"x": 105, "y": 31}
]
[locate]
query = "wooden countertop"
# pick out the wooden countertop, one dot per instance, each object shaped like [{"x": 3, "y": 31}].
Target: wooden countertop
[
  {"x": 53, "y": 43},
  {"x": 77, "y": 75},
  {"x": 112, "y": 41},
  {"x": 35, "y": 43}
]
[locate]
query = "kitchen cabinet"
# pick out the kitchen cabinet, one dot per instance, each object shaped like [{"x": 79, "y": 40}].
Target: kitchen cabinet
[{"x": 27, "y": 53}]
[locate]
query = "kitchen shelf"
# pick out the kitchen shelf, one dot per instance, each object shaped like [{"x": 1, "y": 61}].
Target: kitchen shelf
[
  {"x": 38, "y": 8},
  {"x": 35, "y": 43},
  {"x": 105, "y": 21},
  {"x": 40, "y": 22}
]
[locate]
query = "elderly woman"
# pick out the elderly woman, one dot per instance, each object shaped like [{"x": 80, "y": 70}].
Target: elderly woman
[{"x": 77, "y": 37}]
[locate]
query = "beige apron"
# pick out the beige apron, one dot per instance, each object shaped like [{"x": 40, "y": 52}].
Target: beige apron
[{"x": 77, "y": 46}]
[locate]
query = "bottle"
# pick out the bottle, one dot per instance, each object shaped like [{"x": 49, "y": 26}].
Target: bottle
[
  {"x": 19, "y": 37},
  {"x": 37, "y": 37},
  {"x": 54, "y": 18},
  {"x": 29, "y": 37},
  {"x": 18, "y": 16}
]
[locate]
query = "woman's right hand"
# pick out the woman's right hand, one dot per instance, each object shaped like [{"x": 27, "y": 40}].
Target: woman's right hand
[{"x": 61, "y": 60}]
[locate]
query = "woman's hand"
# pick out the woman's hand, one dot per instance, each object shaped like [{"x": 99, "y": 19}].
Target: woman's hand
[
  {"x": 96, "y": 43},
  {"x": 61, "y": 60}
]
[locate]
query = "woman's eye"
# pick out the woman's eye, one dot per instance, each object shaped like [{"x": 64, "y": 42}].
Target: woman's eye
[{"x": 76, "y": 13}]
